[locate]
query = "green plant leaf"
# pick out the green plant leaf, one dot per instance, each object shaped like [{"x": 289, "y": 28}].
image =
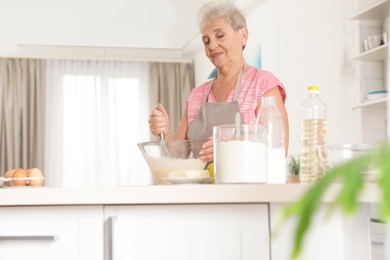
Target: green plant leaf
[
  {"x": 294, "y": 166},
  {"x": 353, "y": 182},
  {"x": 350, "y": 175},
  {"x": 305, "y": 209},
  {"x": 384, "y": 180}
]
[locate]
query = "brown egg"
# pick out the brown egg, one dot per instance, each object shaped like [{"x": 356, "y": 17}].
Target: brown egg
[
  {"x": 19, "y": 177},
  {"x": 36, "y": 176},
  {"x": 8, "y": 174}
]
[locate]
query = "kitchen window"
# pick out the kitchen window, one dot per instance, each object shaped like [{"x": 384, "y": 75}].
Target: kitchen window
[{"x": 96, "y": 113}]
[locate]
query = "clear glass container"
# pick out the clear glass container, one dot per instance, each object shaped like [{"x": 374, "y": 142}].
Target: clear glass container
[
  {"x": 239, "y": 154},
  {"x": 270, "y": 118}
]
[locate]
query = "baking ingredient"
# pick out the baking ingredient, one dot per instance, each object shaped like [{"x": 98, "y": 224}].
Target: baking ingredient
[
  {"x": 210, "y": 168},
  {"x": 276, "y": 173},
  {"x": 270, "y": 118},
  {"x": 8, "y": 175},
  {"x": 240, "y": 162},
  {"x": 189, "y": 174},
  {"x": 160, "y": 167},
  {"x": 35, "y": 177},
  {"x": 313, "y": 134},
  {"x": 19, "y": 177},
  {"x": 311, "y": 138}
]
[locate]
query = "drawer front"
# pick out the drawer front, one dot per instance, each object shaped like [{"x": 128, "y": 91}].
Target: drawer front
[
  {"x": 190, "y": 232},
  {"x": 378, "y": 240},
  {"x": 375, "y": 211},
  {"x": 51, "y": 232}
]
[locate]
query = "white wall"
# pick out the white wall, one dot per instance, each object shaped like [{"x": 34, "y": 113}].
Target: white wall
[
  {"x": 300, "y": 44},
  {"x": 114, "y": 23}
]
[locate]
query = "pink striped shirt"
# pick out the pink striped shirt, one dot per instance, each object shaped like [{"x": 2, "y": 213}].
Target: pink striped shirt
[{"x": 255, "y": 82}]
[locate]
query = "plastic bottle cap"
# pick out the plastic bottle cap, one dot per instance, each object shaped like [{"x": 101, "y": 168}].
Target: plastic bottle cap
[{"x": 315, "y": 88}]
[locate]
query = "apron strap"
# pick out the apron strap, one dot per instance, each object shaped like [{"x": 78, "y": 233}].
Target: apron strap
[
  {"x": 206, "y": 97},
  {"x": 236, "y": 90},
  {"x": 238, "y": 85}
]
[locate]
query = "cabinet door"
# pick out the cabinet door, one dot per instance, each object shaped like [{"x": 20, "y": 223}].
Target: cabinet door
[
  {"x": 51, "y": 233},
  {"x": 187, "y": 232},
  {"x": 332, "y": 236}
]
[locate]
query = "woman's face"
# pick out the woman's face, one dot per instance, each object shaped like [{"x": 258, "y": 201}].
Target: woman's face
[{"x": 223, "y": 46}]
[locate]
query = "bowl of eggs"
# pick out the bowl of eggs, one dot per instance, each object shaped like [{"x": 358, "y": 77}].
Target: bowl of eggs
[
  {"x": 22, "y": 178},
  {"x": 175, "y": 161}
]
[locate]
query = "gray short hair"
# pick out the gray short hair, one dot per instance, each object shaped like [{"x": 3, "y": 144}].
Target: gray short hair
[{"x": 217, "y": 9}]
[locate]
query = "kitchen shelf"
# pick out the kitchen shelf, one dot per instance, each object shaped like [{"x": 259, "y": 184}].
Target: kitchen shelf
[
  {"x": 379, "y": 11},
  {"x": 377, "y": 103},
  {"x": 377, "y": 54}
]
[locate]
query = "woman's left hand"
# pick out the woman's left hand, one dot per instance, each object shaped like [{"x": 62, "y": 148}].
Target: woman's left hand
[{"x": 207, "y": 151}]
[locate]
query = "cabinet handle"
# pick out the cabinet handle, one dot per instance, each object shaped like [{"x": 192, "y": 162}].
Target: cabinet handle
[
  {"x": 111, "y": 222},
  {"x": 378, "y": 243},
  {"x": 37, "y": 237}
]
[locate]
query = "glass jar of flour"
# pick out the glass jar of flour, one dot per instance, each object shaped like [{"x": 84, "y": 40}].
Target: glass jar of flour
[{"x": 240, "y": 154}]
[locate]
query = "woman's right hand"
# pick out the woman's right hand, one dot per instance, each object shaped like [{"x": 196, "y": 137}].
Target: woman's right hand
[
  {"x": 159, "y": 121},
  {"x": 207, "y": 151}
]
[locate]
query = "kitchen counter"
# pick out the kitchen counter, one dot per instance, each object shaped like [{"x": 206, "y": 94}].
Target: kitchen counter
[
  {"x": 171, "y": 194},
  {"x": 236, "y": 219}
]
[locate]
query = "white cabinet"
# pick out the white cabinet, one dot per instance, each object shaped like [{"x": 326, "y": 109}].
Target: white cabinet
[
  {"x": 378, "y": 234},
  {"x": 378, "y": 240},
  {"x": 168, "y": 232},
  {"x": 330, "y": 236},
  {"x": 52, "y": 232}
]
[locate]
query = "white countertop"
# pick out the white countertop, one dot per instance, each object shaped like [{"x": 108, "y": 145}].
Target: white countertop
[{"x": 170, "y": 194}]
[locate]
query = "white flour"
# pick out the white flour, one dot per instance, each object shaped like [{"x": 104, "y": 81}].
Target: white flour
[{"x": 240, "y": 162}]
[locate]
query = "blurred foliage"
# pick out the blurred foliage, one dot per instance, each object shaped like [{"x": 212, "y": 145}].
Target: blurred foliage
[
  {"x": 350, "y": 175},
  {"x": 294, "y": 166}
]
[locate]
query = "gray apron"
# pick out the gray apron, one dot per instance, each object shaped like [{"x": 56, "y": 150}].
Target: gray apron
[{"x": 215, "y": 113}]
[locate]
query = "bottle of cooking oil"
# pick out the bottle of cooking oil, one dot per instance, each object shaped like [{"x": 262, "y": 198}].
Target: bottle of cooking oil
[{"x": 312, "y": 136}]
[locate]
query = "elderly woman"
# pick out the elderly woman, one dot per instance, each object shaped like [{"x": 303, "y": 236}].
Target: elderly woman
[{"x": 237, "y": 86}]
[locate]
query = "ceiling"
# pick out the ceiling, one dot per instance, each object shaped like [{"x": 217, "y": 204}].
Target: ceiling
[{"x": 154, "y": 24}]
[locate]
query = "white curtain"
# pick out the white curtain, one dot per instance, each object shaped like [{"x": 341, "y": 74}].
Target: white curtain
[{"x": 96, "y": 113}]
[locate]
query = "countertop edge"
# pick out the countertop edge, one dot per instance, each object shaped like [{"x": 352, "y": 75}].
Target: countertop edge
[{"x": 172, "y": 194}]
